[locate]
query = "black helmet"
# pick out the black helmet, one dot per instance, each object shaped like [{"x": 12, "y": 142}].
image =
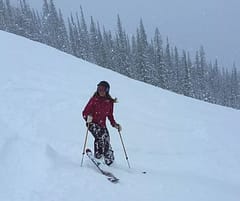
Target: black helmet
[{"x": 105, "y": 84}]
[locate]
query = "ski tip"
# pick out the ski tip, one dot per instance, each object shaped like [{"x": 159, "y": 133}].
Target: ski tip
[
  {"x": 113, "y": 180},
  {"x": 88, "y": 150}
]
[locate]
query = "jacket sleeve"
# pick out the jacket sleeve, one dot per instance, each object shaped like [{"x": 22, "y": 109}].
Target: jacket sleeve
[
  {"x": 88, "y": 109},
  {"x": 110, "y": 116}
]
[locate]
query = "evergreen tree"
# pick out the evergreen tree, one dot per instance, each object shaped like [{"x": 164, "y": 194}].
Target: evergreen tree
[
  {"x": 101, "y": 54},
  {"x": 176, "y": 71},
  {"x": 186, "y": 85},
  {"x": 190, "y": 71},
  {"x": 93, "y": 42},
  {"x": 63, "y": 41},
  {"x": 24, "y": 20},
  {"x": 213, "y": 82},
  {"x": 134, "y": 59},
  {"x": 204, "y": 93},
  {"x": 9, "y": 17},
  {"x": 54, "y": 26},
  {"x": 226, "y": 88},
  {"x": 199, "y": 78},
  {"x": 151, "y": 70},
  {"x": 142, "y": 62},
  {"x": 46, "y": 37},
  {"x": 72, "y": 41},
  {"x": 84, "y": 37},
  {"x": 158, "y": 60},
  {"x": 234, "y": 97},
  {"x": 168, "y": 67},
  {"x": 122, "y": 50},
  {"x": 3, "y": 25},
  {"x": 109, "y": 49},
  {"x": 36, "y": 27}
]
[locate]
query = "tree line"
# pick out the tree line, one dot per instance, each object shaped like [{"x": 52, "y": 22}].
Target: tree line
[{"x": 153, "y": 60}]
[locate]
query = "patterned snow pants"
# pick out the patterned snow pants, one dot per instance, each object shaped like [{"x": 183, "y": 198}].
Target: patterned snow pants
[{"x": 102, "y": 146}]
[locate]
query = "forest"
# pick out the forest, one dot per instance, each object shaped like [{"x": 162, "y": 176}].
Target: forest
[{"x": 152, "y": 60}]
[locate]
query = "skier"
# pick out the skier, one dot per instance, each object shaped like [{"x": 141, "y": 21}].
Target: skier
[{"x": 99, "y": 107}]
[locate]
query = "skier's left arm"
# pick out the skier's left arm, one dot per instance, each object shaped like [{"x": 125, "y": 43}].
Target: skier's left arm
[{"x": 112, "y": 120}]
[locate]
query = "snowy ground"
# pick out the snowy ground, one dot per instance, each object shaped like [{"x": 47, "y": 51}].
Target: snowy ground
[{"x": 189, "y": 149}]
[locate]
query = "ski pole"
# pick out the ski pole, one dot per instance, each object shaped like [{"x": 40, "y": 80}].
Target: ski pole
[
  {"x": 124, "y": 148},
  {"x": 84, "y": 146}
]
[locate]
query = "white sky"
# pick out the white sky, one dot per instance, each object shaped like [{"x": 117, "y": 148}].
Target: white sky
[{"x": 188, "y": 23}]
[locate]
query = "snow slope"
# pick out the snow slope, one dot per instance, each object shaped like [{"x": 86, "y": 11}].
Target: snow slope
[{"x": 189, "y": 149}]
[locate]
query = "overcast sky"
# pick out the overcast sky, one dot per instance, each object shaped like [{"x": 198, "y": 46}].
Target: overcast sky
[{"x": 187, "y": 23}]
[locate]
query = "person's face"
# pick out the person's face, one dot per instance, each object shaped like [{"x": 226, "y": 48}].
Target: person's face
[{"x": 101, "y": 90}]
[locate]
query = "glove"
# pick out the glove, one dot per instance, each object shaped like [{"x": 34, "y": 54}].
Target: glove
[
  {"x": 118, "y": 127},
  {"x": 89, "y": 119}
]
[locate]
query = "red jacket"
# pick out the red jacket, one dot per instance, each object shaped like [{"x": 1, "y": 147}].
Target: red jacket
[{"x": 99, "y": 108}]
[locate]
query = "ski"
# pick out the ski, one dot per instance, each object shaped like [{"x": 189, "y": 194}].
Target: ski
[{"x": 109, "y": 175}]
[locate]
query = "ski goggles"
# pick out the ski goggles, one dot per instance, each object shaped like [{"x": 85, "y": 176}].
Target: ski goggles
[{"x": 101, "y": 89}]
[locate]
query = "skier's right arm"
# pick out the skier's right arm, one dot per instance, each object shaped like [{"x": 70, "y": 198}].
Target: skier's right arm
[{"x": 88, "y": 109}]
